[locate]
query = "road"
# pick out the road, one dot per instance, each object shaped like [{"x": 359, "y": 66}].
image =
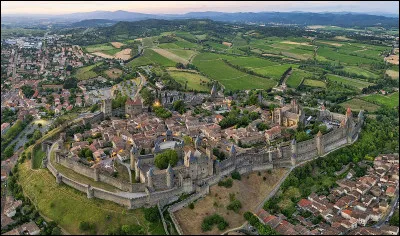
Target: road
[
  {"x": 142, "y": 82},
  {"x": 21, "y": 137},
  {"x": 392, "y": 208}
]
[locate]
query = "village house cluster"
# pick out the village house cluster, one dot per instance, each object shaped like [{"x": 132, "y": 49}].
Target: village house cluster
[{"x": 351, "y": 208}]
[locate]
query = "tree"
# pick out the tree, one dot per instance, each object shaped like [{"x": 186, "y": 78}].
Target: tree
[
  {"x": 27, "y": 91},
  {"x": 70, "y": 83},
  {"x": 148, "y": 96},
  {"x": 179, "y": 106},
  {"x": 167, "y": 157},
  {"x": 151, "y": 214},
  {"x": 56, "y": 231},
  {"x": 395, "y": 219}
]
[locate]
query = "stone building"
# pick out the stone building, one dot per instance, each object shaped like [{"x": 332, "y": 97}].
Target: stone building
[
  {"x": 133, "y": 107},
  {"x": 106, "y": 108},
  {"x": 288, "y": 115}
]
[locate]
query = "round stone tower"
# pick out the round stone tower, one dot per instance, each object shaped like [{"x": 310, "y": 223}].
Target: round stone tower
[
  {"x": 150, "y": 175},
  {"x": 170, "y": 176}
]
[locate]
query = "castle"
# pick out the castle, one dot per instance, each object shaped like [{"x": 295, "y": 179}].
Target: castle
[{"x": 197, "y": 167}]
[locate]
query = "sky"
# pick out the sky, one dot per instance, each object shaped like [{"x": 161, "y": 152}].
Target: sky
[{"x": 181, "y": 7}]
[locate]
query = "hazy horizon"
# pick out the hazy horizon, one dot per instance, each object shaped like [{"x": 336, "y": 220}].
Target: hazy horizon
[{"x": 174, "y": 7}]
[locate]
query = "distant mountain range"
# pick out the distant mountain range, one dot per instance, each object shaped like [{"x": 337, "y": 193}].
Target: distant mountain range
[{"x": 344, "y": 19}]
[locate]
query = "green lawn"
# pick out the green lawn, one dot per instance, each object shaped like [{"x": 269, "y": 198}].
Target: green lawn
[
  {"x": 85, "y": 73},
  {"x": 233, "y": 79},
  {"x": 195, "y": 81},
  {"x": 359, "y": 84},
  {"x": 68, "y": 207},
  {"x": 391, "y": 100},
  {"x": 358, "y": 104}
]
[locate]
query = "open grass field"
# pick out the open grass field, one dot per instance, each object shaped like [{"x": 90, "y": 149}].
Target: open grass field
[
  {"x": 359, "y": 84},
  {"x": 68, "y": 207},
  {"x": 85, "y": 73},
  {"x": 111, "y": 52},
  {"x": 149, "y": 41},
  {"x": 99, "y": 47},
  {"x": 233, "y": 79},
  {"x": 250, "y": 191},
  {"x": 151, "y": 57},
  {"x": 194, "y": 81},
  {"x": 314, "y": 83},
  {"x": 391, "y": 100},
  {"x": 296, "y": 77},
  {"x": 262, "y": 66},
  {"x": 358, "y": 104}
]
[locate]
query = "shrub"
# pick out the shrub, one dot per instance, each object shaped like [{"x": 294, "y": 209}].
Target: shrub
[
  {"x": 226, "y": 183},
  {"x": 191, "y": 206},
  {"x": 236, "y": 175},
  {"x": 264, "y": 178},
  {"x": 209, "y": 221},
  {"x": 85, "y": 226},
  {"x": 151, "y": 214},
  {"x": 235, "y": 206}
]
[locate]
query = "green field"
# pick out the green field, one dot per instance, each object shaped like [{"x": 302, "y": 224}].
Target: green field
[
  {"x": 99, "y": 47},
  {"x": 233, "y": 79},
  {"x": 360, "y": 71},
  {"x": 359, "y": 84},
  {"x": 296, "y": 77},
  {"x": 314, "y": 83},
  {"x": 391, "y": 100},
  {"x": 68, "y": 207},
  {"x": 151, "y": 57},
  {"x": 261, "y": 66},
  {"x": 85, "y": 73},
  {"x": 358, "y": 104},
  {"x": 38, "y": 157},
  {"x": 20, "y": 32},
  {"x": 111, "y": 52},
  {"x": 193, "y": 80}
]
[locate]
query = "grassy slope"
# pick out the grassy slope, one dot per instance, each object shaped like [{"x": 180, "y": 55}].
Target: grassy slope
[
  {"x": 68, "y": 207},
  {"x": 192, "y": 78},
  {"x": 359, "y": 84},
  {"x": 391, "y": 100},
  {"x": 211, "y": 65}
]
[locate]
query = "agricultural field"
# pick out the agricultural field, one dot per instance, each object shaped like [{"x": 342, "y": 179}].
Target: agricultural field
[
  {"x": 358, "y": 104},
  {"x": 194, "y": 81},
  {"x": 68, "y": 207},
  {"x": 233, "y": 79},
  {"x": 294, "y": 80},
  {"x": 176, "y": 55},
  {"x": 360, "y": 71},
  {"x": 86, "y": 72},
  {"x": 314, "y": 83},
  {"x": 98, "y": 47},
  {"x": 391, "y": 100},
  {"x": 359, "y": 84},
  {"x": 113, "y": 73},
  {"x": 250, "y": 191},
  {"x": 262, "y": 66},
  {"x": 151, "y": 57}
]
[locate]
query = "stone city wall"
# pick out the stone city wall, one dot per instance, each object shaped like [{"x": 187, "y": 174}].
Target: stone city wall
[{"x": 74, "y": 184}]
